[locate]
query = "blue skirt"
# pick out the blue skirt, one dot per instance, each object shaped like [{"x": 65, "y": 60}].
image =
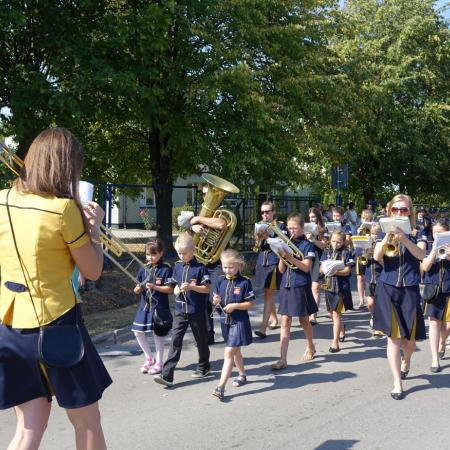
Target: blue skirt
[
  {"x": 333, "y": 300},
  {"x": 24, "y": 378},
  {"x": 402, "y": 303},
  {"x": 143, "y": 320},
  {"x": 439, "y": 308},
  {"x": 297, "y": 302},
  {"x": 237, "y": 333},
  {"x": 267, "y": 277}
]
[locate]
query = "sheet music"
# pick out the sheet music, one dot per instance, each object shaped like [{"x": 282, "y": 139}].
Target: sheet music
[
  {"x": 440, "y": 239},
  {"x": 390, "y": 224},
  {"x": 184, "y": 219},
  {"x": 332, "y": 226},
  {"x": 312, "y": 228},
  {"x": 277, "y": 245}
]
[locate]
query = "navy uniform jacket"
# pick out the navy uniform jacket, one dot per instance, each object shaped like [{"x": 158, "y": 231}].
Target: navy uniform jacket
[
  {"x": 266, "y": 257},
  {"x": 158, "y": 274},
  {"x": 196, "y": 274},
  {"x": 296, "y": 277},
  {"x": 402, "y": 270},
  {"x": 234, "y": 290},
  {"x": 340, "y": 283},
  {"x": 439, "y": 272}
]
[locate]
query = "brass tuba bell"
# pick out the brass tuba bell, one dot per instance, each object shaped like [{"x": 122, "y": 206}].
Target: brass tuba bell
[{"x": 210, "y": 244}]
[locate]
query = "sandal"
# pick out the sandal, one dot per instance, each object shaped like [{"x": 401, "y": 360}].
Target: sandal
[
  {"x": 279, "y": 365},
  {"x": 155, "y": 369},
  {"x": 404, "y": 373},
  {"x": 219, "y": 393},
  {"x": 240, "y": 381},
  {"x": 334, "y": 349},
  {"x": 147, "y": 365},
  {"x": 342, "y": 338},
  {"x": 308, "y": 355}
]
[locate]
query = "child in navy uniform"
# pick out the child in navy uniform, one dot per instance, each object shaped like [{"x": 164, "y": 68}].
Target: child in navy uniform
[
  {"x": 233, "y": 294},
  {"x": 296, "y": 298},
  {"x": 192, "y": 285},
  {"x": 338, "y": 292},
  {"x": 437, "y": 272},
  {"x": 154, "y": 296}
]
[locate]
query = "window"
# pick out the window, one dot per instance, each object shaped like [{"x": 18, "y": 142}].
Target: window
[{"x": 147, "y": 198}]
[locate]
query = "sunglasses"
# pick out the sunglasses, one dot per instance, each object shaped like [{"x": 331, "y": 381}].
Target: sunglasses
[
  {"x": 401, "y": 210},
  {"x": 267, "y": 211}
]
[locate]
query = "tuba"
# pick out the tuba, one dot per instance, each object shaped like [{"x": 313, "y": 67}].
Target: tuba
[
  {"x": 209, "y": 245},
  {"x": 113, "y": 248},
  {"x": 295, "y": 250}
]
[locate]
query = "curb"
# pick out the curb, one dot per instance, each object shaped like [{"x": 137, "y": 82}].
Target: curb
[{"x": 113, "y": 337}]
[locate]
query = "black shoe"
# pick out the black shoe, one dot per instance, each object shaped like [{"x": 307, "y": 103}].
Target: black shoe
[
  {"x": 160, "y": 380},
  {"x": 342, "y": 338},
  {"x": 201, "y": 373},
  {"x": 398, "y": 395},
  {"x": 404, "y": 374},
  {"x": 313, "y": 322},
  {"x": 435, "y": 369},
  {"x": 260, "y": 334},
  {"x": 334, "y": 350}
]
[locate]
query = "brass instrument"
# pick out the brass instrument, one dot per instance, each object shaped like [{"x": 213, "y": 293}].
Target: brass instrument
[
  {"x": 295, "y": 250},
  {"x": 328, "y": 280},
  {"x": 441, "y": 253},
  {"x": 364, "y": 229},
  {"x": 391, "y": 248},
  {"x": 111, "y": 244},
  {"x": 10, "y": 160},
  {"x": 258, "y": 241},
  {"x": 209, "y": 245},
  {"x": 365, "y": 243}
]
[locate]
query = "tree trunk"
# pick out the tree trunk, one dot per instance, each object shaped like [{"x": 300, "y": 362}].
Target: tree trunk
[{"x": 163, "y": 186}]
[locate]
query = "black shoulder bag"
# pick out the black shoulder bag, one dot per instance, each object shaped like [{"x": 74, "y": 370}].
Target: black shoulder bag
[
  {"x": 59, "y": 345},
  {"x": 432, "y": 291}
]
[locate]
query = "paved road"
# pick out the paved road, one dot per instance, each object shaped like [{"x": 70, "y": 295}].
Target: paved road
[{"x": 337, "y": 401}]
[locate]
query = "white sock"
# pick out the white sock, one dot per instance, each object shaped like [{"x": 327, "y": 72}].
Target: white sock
[
  {"x": 159, "y": 345},
  {"x": 144, "y": 344}
]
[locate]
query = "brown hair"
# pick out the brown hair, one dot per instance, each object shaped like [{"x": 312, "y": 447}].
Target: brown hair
[
  {"x": 272, "y": 206},
  {"x": 297, "y": 217},
  {"x": 365, "y": 213},
  {"x": 318, "y": 215},
  {"x": 443, "y": 223},
  {"x": 341, "y": 234},
  {"x": 154, "y": 246},
  {"x": 403, "y": 198},
  {"x": 338, "y": 209},
  {"x": 53, "y": 165}
]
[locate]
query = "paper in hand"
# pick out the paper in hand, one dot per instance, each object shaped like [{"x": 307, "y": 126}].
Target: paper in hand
[
  {"x": 390, "y": 224},
  {"x": 277, "y": 246},
  {"x": 184, "y": 219}
]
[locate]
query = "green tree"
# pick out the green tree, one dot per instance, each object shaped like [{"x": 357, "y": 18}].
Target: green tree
[
  {"x": 395, "y": 57},
  {"x": 182, "y": 87}
]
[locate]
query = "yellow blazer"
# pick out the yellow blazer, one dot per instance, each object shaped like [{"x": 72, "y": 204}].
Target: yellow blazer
[{"x": 46, "y": 228}]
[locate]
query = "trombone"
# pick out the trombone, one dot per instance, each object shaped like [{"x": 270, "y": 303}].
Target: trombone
[
  {"x": 113, "y": 248},
  {"x": 295, "y": 250}
]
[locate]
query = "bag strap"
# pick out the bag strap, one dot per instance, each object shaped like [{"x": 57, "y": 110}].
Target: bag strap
[
  {"x": 21, "y": 261},
  {"x": 18, "y": 255}
]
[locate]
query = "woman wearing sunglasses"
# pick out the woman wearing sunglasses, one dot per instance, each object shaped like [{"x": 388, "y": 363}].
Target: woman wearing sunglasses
[
  {"x": 267, "y": 275},
  {"x": 397, "y": 311}
]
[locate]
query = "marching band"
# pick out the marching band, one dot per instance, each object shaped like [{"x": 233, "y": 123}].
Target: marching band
[{"x": 391, "y": 257}]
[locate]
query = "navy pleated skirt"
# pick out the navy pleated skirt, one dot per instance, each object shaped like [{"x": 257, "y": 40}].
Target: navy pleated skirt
[
  {"x": 267, "y": 277},
  {"x": 24, "y": 378},
  {"x": 297, "y": 302},
  {"x": 398, "y": 308},
  {"x": 339, "y": 301},
  {"x": 440, "y": 309},
  {"x": 237, "y": 333}
]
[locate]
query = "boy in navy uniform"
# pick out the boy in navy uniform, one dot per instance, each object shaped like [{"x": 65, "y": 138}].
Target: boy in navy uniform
[{"x": 192, "y": 285}]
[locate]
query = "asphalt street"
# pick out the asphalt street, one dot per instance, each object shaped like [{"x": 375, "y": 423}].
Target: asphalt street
[{"x": 336, "y": 401}]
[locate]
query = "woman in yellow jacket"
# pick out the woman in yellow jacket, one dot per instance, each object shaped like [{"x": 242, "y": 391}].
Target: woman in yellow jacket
[{"x": 52, "y": 233}]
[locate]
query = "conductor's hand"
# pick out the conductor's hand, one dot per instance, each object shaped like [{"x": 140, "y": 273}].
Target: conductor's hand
[{"x": 94, "y": 214}]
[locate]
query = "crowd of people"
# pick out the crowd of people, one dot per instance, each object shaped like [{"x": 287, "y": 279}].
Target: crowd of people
[{"x": 45, "y": 232}]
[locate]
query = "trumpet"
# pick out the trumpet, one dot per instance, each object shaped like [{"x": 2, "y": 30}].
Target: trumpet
[
  {"x": 365, "y": 243},
  {"x": 391, "y": 248},
  {"x": 113, "y": 248},
  {"x": 283, "y": 238},
  {"x": 441, "y": 253}
]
